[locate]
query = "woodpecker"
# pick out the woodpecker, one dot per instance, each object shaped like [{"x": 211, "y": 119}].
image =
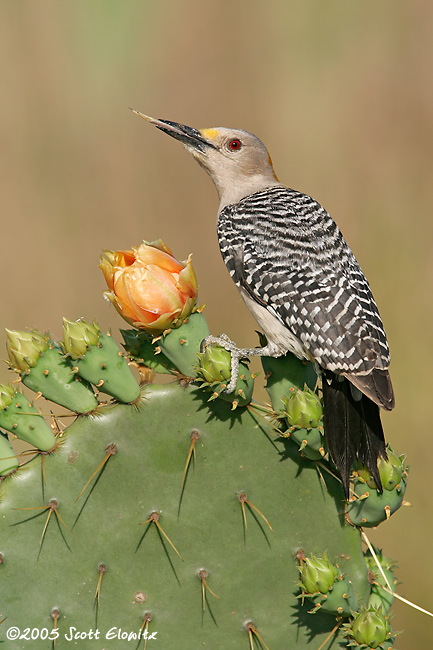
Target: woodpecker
[{"x": 303, "y": 285}]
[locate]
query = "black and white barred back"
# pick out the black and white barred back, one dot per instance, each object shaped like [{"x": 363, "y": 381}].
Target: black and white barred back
[{"x": 286, "y": 252}]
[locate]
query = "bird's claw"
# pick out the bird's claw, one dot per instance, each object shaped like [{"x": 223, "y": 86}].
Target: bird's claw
[
  {"x": 231, "y": 386},
  {"x": 226, "y": 343}
]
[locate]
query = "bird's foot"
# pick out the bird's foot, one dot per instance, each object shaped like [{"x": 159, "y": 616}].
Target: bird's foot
[
  {"x": 270, "y": 350},
  {"x": 236, "y": 354}
]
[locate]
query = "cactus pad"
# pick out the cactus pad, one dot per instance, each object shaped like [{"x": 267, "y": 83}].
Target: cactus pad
[{"x": 182, "y": 546}]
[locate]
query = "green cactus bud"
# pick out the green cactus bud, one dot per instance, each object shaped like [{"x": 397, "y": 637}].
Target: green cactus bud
[
  {"x": 379, "y": 597},
  {"x": 78, "y": 337},
  {"x": 6, "y": 395},
  {"x": 23, "y": 420},
  {"x": 25, "y": 348},
  {"x": 318, "y": 574},
  {"x": 391, "y": 471},
  {"x": 304, "y": 409},
  {"x": 370, "y": 628},
  {"x": 214, "y": 368},
  {"x": 214, "y": 364},
  {"x": 369, "y": 507},
  {"x": 8, "y": 460}
]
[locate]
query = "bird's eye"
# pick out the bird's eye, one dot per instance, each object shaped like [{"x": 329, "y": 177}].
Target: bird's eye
[{"x": 235, "y": 144}]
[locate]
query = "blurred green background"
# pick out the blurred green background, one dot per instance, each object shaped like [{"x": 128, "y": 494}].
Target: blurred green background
[{"x": 342, "y": 94}]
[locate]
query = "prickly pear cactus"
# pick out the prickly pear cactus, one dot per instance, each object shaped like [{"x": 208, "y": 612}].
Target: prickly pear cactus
[{"x": 172, "y": 515}]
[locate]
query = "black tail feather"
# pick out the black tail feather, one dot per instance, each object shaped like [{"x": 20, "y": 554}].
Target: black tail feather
[{"x": 353, "y": 429}]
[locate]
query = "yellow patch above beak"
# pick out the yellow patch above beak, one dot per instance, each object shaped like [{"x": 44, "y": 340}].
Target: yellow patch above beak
[{"x": 209, "y": 134}]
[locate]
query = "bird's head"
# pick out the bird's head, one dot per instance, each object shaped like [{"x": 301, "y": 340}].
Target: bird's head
[{"x": 237, "y": 161}]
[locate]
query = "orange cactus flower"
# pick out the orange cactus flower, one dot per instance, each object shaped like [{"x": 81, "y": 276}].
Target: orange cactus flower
[{"x": 149, "y": 288}]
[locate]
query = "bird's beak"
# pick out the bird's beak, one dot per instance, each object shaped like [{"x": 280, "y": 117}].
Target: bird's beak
[{"x": 185, "y": 134}]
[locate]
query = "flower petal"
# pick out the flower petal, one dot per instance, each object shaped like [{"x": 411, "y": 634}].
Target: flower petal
[
  {"x": 187, "y": 282},
  {"x": 154, "y": 290},
  {"x": 164, "y": 322},
  {"x": 158, "y": 243},
  {"x": 148, "y": 254},
  {"x": 107, "y": 270}
]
